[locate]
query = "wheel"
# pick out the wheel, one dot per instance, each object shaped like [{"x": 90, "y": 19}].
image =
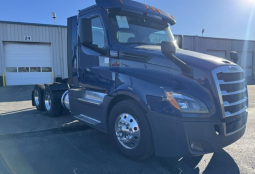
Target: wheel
[
  {"x": 130, "y": 131},
  {"x": 38, "y": 94},
  {"x": 52, "y": 102}
]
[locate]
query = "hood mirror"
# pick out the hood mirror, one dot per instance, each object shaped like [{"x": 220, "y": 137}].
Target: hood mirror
[
  {"x": 234, "y": 56},
  {"x": 169, "y": 49}
]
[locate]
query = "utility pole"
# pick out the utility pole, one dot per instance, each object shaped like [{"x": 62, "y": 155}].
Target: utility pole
[{"x": 54, "y": 16}]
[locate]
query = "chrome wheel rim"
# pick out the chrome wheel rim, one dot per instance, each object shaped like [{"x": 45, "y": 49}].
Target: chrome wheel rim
[
  {"x": 47, "y": 101},
  {"x": 127, "y": 131},
  {"x": 36, "y": 97}
]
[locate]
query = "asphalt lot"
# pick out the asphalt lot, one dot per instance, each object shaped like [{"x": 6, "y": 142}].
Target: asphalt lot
[{"x": 31, "y": 142}]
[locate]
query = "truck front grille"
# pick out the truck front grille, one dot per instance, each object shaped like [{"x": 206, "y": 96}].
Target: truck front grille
[{"x": 231, "y": 86}]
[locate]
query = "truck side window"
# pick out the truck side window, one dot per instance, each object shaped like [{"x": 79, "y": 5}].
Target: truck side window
[{"x": 98, "y": 32}]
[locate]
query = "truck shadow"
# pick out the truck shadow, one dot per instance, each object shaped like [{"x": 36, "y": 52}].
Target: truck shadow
[{"x": 218, "y": 162}]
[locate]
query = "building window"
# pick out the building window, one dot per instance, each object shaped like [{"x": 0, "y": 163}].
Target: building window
[
  {"x": 11, "y": 69},
  {"x": 23, "y": 69},
  {"x": 35, "y": 69},
  {"x": 46, "y": 69}
]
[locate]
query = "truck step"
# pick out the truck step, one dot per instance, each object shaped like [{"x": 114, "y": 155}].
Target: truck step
[{"x": 87, "y": 119}]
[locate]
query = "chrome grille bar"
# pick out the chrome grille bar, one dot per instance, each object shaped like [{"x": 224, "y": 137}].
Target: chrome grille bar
[
  {"x": 231, "y": 82},
  {"x": 232, "y": 93},
  {"x": 228, "y": 114},
  {"x": 226, "y": 103}
]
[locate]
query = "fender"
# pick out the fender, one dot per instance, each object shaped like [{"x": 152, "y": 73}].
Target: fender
[
  {"x": 138, "y": 89},
  {"x": 148, "y": 89}
]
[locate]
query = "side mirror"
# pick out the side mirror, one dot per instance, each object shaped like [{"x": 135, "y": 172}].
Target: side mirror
[
  {"x": 234, "y": 56},
  {"x": 85, "y": 28},
  {"x": 168, "y": 47}
]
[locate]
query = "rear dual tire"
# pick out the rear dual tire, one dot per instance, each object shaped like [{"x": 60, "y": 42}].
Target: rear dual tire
[
  {"x": 52, "y": 102},
  {"x": 46, "y": 99},
  {"x": 38, "y": 95}
]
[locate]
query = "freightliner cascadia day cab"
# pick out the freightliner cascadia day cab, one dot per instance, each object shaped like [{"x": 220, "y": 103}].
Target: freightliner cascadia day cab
[{"x": 127, "y": 77}]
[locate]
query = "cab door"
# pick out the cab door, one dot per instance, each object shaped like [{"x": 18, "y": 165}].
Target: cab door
[{"x": 93, "y": 68}]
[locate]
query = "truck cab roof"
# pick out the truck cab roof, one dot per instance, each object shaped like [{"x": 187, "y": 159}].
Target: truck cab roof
[{"x": 132, "y": 6}]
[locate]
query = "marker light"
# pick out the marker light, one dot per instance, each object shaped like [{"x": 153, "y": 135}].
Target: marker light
[
  {"x": 148, "y": 8},
  {"x": 121, "y": 1},
  {"x": 172, "y": 17},
  {"x": 158, "y": 11},
  {"x": 153, "y": 9}
]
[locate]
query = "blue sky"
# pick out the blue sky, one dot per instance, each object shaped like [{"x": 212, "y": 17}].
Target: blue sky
[{"x": 220, "y": 18}]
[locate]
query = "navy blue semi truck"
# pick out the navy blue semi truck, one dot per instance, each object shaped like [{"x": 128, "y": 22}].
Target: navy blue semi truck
[{"x": 127, "y": 77}]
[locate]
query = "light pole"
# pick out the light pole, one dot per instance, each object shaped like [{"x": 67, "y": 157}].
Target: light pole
[
  {"x": 203, "y": 32},
  {"x": 54, "y": 15}
]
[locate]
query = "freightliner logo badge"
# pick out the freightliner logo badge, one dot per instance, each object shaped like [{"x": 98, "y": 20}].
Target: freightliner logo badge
[{"x": 232, "y": 68}]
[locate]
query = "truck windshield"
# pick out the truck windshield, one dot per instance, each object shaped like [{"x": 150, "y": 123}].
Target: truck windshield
[{"x": 137, "y": 29}]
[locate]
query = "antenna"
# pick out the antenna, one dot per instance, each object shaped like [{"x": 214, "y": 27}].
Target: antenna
[{"x": 54, "y": 16}]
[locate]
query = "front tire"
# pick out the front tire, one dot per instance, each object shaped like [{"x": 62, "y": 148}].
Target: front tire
[{"x": 130, "y": 131}]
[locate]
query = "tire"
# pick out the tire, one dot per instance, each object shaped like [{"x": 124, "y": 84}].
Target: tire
[
  {"x": 64, "y": 111},
  {"x": 52, "y": 102},
  {"x": 37, "y": 95},
  {"x": 140, "y": 146}
]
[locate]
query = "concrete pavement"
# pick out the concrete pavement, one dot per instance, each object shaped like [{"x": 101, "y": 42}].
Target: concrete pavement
[
  {"x": 87, "y": 150},
  {"x": 17, "y": 115}
]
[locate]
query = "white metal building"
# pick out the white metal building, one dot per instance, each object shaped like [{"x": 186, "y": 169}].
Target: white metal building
[
  {"x": 36, "y": 53},
  {"x": 32, "y": 53},
  {"x": 221, "y": 48}
]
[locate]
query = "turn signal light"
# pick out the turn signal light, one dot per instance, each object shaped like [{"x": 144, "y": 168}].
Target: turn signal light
[
  {"x": 121, "y": 1},
  {"x": 153, "y": 9},
  {"x": 158, "y": 11},
  {"x": 148, "y": 8},
  {"x": 172, "y": 17},
  {"x": 172, "y": 100}
]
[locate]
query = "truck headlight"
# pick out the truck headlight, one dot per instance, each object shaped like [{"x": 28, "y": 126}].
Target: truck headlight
[{"x": 185, "y": 103}]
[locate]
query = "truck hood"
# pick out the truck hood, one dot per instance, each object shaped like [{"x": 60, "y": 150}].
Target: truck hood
[
  {"x": 160, "y": 70},
  {"x": 191, "y": 58}
]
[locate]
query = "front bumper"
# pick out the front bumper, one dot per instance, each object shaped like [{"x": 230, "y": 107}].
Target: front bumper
[{"x": 172, "y": 137}]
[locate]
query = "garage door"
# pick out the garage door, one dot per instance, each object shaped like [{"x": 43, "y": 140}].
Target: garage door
[
  {"x": 27, "y": 63},
  {"x": 217, "y": 53},
  {"x": 245, "y": 61}
]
